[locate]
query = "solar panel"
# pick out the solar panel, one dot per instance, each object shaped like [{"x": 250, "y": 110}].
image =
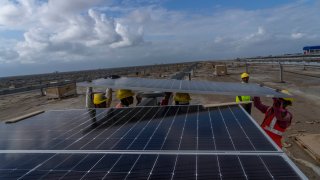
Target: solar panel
[
  {"x": 145, "y": 166},
  {"x": 169, "y": 142},
  {"x": 172, "y": 85},
  {"x": 142, "y": 128}
]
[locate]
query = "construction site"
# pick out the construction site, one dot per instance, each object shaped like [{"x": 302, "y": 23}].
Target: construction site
[{"x": 28, "y": 98}]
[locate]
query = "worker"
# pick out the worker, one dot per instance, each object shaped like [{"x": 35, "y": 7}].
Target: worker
[
  {"x": 182, "y": 98},
  {"x": 247, "y": 107},
  {"x": 126, "y": 98},
  {"x": 89, "y": 101},
  {"x": 166, "y": 99},
  {"x": 277, "y": 118},
  {"x": 108, "y": 95},
  {"x": 99, "y": 100}
]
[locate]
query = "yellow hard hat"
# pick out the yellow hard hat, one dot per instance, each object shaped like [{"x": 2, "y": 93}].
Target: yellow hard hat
[
  {"x": 287, "y": 98},
  {"x": 244, "y": 75},
  {"x": 98, "y": 98},
  {"x": 124, "y": 93},
  {"x": 182, "y": 97}
]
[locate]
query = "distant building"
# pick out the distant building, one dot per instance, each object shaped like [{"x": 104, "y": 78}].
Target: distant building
[{"x": 311, "y": 50}]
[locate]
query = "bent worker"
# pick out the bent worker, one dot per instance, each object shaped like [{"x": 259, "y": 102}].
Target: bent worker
[
  {"x": 126, "y": 98},
  {"x": 165, "y": 101},
  {"x": 247, "y": 106},
  {"x": 89, "y": 101},
  {"x": 182, "y": 99},
  {"x": 99, "y": 100},
  {"x": 277, "y": 118}
]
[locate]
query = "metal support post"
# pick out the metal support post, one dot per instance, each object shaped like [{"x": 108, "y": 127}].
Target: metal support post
[
  {"x": 281, "y": 72},
  {"x": 247, "y": 71}
]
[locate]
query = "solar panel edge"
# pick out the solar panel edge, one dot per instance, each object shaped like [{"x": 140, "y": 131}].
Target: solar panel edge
[
  {"x": 196, "y": 152},
  {"x": 137, "y": 84},
  {"x": 226, "y": 169},
  {"x": 294, "y": 166},
  {"x": 261, "y": 130}
]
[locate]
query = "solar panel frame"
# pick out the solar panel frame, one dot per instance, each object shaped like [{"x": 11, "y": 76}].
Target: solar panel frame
[
  {"x": 73, "y": 138},
  {"x": 82, "y": 164},
  {"x": 260, "y": 129},
  {"x": 127, "y": 152},
  {"x": 197, "y": 87}
]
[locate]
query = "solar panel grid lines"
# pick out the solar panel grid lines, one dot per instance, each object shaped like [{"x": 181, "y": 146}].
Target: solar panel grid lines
[
  {"x": 135, "y": 138},
  {"x": 139, "y": 132},
  {"x": 41, "y": 164},
  {"x": 89, "y": 120},
  {"x": 78, "y": 131},
  {"x": 87, "y": 155},
  {"x": 111, "y": 126},
  {"x": 250, "y": 141},
  {"x": 226, "y": 128},
  {"x": 143, "y": 149},
  {"x": 156, "y": 129},
  {"x": 232, "y": 142},
  {"x": 147, "y": 143},
  {"x": 197, "y": 142},
  {"x": 215, "y": 147},
  {"x": 167, "y": 166},
  {"x": 46, "y": 160},
  {"x": 175, "y": 163},
  {"x": 163, "y": 144},
  {"x": 170, "y": 142},
  {"x": 245, "y": 114},
  {"x": 193, "y": 138}
]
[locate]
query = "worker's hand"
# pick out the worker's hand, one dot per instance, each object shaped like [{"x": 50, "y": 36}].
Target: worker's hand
[
  {"x": 138, "y": 98},
  {"x": 278, "y": 90},
  {"x": 277, "y": 103}
]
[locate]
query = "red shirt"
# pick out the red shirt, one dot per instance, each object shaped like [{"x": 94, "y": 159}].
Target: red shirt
[{"x": 283, "y": 116}]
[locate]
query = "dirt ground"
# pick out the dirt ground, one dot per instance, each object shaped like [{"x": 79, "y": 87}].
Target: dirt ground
[{"x": 304, "y": 84}]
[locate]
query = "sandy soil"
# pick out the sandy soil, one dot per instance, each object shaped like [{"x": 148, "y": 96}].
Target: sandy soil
[{"x": 305, "y": 109}]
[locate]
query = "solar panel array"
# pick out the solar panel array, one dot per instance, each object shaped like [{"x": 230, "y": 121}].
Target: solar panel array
[
  {"x": 144, "y": 166},
  {"x": 172, "y": 85},
  {"x": 170, "y": 142}
]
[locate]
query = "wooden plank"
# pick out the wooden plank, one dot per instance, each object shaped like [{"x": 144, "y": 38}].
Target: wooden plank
[
  {"x": 225, "y": 104},
  {"x": 310, "y": 143},
  {"x": 17, "y": 119}
]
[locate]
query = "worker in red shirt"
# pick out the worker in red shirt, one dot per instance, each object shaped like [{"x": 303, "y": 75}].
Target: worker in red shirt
[
  {"x": 277, "y": 118},
  {"x": 165, "y": 101}
]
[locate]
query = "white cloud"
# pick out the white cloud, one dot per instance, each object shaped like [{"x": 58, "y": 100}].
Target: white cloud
[
  {"x": 11, "y": 13},
  {"x": 297, "y": 35},
  {"x": 100, "y": 31},
  {"x": 68, "y": 31}
]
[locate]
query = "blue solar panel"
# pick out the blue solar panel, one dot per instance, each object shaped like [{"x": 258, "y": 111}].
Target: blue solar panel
[
  {"x": 144, "y": 166},
  {"x": 168, "y": 142},
  {"x": 173, "y": 85},
  {"x": 143, "y": 128}
]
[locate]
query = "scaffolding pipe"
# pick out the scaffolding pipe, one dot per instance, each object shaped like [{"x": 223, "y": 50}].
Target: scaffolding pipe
[{"x": 281, "y": 72}]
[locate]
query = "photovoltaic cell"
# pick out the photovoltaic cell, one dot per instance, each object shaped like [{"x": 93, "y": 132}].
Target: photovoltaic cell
[
  {"x": 143, "y": 128},
  {"x": 168, "y": 142},
  {"x": 144, "y": 166},
  {"x": 172, "y": 85}
]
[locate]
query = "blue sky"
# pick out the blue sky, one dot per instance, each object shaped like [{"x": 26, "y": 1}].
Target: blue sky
[
  {"x": 199, "y": 5},
  {"x": 58, "y": 35}
]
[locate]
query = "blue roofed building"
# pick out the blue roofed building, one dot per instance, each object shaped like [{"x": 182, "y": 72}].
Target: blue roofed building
[{"x": 311, "y": 50}]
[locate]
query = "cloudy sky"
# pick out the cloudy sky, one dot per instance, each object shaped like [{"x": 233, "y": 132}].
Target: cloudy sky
[{"x": 39, "y": 36}]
